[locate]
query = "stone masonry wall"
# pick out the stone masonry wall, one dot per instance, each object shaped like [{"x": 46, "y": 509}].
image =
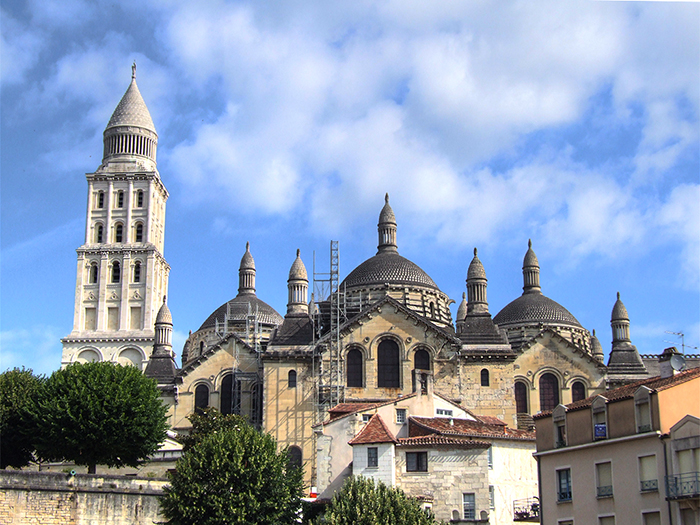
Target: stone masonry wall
[{"x": 52, "y": 498}]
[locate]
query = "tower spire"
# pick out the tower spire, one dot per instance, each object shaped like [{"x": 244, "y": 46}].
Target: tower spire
[
  {"x": 298, "y": 287},
  {"x": 387, "y": 229},
  {"x": 624, "y": 364},
  {"x": 246, "y": 273},
  {"x": 477, "y": 303},
  {"x": 531, "y": 271}
]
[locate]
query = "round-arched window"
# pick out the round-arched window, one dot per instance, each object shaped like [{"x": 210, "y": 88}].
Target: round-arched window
[
  {"x": 201, "y": 398},
  {"x": 354, "y": 368},
  {"x": 388, "y": 364},
  {"x": 421, "y": 360},
  {"x": 578, "y": 391},
  {"x": 549, "y": 391}
]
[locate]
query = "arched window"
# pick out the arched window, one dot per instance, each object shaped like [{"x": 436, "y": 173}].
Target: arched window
[
  {"x": 120, "y": 199},
  {"x": 256, "y": 405},
  {"x": 294, "y": 456},
  {"x": 118, "y": 232},
  {"x": 421, "y": 360},
  {"x": 137, "y": 272},
  {"x": 578, "y": 391},
  {"x": 388, "y": 364},
  {"x": 485, "y": 377},
  {"x": 432, "y": 309},
  {"x": 100, "y": 199},
  {"x": 521, "y": 404},
  {"x": 201, "y": 347},
  {"x": 116, "y": 272},
  {"x": 230, "y": 395},
  {"x": 139, "y": 233},
  {"x": 549, "y": 391},
  {"x": 99, "y": 234},
  {"x": 139, "y": 199},
  {"x": 292, "y": 379},
  {"x": 354, "y": 368},
  {"x": 201, "y": 398},
  {"x": 92, "y": 279}
]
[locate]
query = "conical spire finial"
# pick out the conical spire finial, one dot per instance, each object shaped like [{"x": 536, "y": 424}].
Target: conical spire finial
[
  {"x": 246, "y": 273},
  {"x": 531, "y": 271},
  {"x": 476, "y": 288},
  {"x": 387, "y": 228},
  {"x": 297, "y": 287}
]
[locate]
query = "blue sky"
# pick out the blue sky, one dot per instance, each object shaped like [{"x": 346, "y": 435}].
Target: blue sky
[{"x": 284, "y": 123}]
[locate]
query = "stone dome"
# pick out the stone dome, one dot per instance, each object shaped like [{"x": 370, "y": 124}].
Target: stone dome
[
  {"x": 462, "y": 308},
  {"x": 476, "y": 269},
  {"x": 247, "y": 261},
  {"x": 388, "y": 268},
  {"x": 298, "y": 271},
  {"x": 535, "y": 308},
  {"x": 164, "y": 316},
  {"x": 239, "y": 309},
  {"x": 132, "y": 110},
  {"x": 530, "y": 257},
  {"x": 619, "y": 311},
  {"x": 387, "y": 214}
]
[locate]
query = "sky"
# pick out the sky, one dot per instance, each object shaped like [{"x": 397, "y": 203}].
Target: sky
[{"x": 574, "y": 124}]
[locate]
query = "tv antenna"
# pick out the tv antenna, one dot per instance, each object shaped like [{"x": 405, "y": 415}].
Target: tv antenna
[{"x": 682, "y": 336}]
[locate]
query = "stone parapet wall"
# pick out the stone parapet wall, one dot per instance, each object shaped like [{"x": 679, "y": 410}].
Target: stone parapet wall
[{"x": 52, "y": 498}]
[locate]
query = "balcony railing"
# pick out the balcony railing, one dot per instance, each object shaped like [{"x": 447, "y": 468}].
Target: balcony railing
[
  {"x": 605, "y": 491},
  {"x": 683, "y": 486},
  {"x": 526, "y": 509},
  {"x": 560, "y": 443},
  {"x": 564, "y": 495},
  {"x": 649, "y": 485}
]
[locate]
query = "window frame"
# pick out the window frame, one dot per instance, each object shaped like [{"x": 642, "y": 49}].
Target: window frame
[
  {"x": 388, "y": 364},
  {"x": 136, "y": 274},
  {"x": 120, "y": 199},
  {"x": 469, "y": 505},
  {"x": 418, "y": 461},
  {"x": 93, "y": 273},
  {"x": 485, "y": 377},
  {"x": 600, "y": 430},
  {"x": 354, "y": 371},
  {"x": 292, "y": 379},
  {"x": 643, "y": 419},
  {"x": 567, "y": 495},
  {"x": 603, "y": 491},
  {"x": 372, "y": 457},
  {"x": 119, "y": 233},
  {"x": 138, "y": 232},
  {"x": 648, "y": 485},
  {"x": 199, "y": 396},
  {"x": 139, "y": 199},
  {"x": 100, "y": 200},
  {"x": 401, "y": 416},
  {"x": 116, "y": 273}
]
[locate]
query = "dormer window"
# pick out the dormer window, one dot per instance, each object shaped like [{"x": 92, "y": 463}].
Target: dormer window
[
  {"x": 559, "y": 420},
  {"x": 599, "y": 410},
  {"x": 642, "y": 409}
]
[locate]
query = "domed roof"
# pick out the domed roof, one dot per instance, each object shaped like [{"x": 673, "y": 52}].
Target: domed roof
[
  {"x": 535, "y": 308},
  {"x": 164, "y": 316},
  {"x": 387, "y": 214},
  {"x": 476, "y": 269},
  {"x": 462, "y": 308},
  {"x": 298, "y": 271},
  {"x": 132, "y": 110},
  {"x": 596, "y": 347},
  {"x": 619, "y": 311},
  {"x": 239, "y": 310},
  {"x": 388, "y": 267}
]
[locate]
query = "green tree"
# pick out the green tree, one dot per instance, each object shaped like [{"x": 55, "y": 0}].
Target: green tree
[
  {"x": 99, "y": 414},
  {"x": 17, "y": 389},
  {"x": 209, "y": 421},
  {"x": 362, "y": 502},
  {"x": 233, "y": 475}
]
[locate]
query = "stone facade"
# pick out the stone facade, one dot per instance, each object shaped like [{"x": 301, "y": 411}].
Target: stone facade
[{"x": 44, "y": 498}]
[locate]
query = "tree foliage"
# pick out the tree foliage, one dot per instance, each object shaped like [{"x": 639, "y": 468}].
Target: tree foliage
[
  {"x": 17, "y": 390},
  {"x": 99, "y": 413},
  {"x": 209, "y": 421},
  {"x": 232, "y": 474},
  {"x": 361, "y": 501}
]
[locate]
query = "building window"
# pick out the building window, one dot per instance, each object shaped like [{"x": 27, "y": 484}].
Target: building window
[
  {"x": 578, "y": 391},
  {"x": 201, "y": 398},
  {"x": 521, "y": 403},
  {"x": 652, "y": 518},
  {"x": 118, "y": 233},
  {"x": 295, "y": 456},
  {"x": 492, "y": 497},
  {"x": 139, "y": 232},
  {"x": 648, "y": 479},
  {"x": 230, "y": 395},
  {"x": 416, "y": 462},
  {"x": 490, "y": 457},
  {"x": 137, "y": 272},
  {"x": 388, "y": 364},
  {"x": 372, "y": 457},
  {"x": 600, "y": 424},
  {"x": 92, "y": 278},
  {"x": 559, "y": 421},
  {"x": 642, "y": 410},
  {"x": 116, "y": 272},
  {"x": 139, "y": 199},
  {"x": 606, "y": 520},
  {"x": 443, "y": 412},
  {"x": 120, "y": 199},
  {"x": 99, "y": 234},
  {"x": 604, "y": 484},
  {"x": 292, "y": 379},
  {"x": 101, "y": 199},
  {"x": 549, "y": 391},
  {"x": 366, "y": 418},
  {"x": 469, "y": 505},
  {"x": 354, "y": 368},
  {"x": 564, "y": 485},
  {"x": 421, "y": 360},
  {"x": 400, "y": 416},
  {"x": 256, "y": 396},
  {"x": 485, "y": 377}
]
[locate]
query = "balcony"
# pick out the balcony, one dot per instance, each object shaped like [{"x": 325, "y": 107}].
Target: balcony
[
  {"x": 649, "y": 485},
  {"x": 605, "y": 491},
  {"x": 683, "y": 486},
  {"x": 526, "y": 510}
]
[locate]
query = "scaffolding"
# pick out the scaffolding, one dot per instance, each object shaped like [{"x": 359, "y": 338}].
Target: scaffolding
[{"x": 328, "y": 315}]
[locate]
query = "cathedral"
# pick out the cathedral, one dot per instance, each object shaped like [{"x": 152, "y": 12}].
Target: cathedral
[{"x": 383, "y": 333}]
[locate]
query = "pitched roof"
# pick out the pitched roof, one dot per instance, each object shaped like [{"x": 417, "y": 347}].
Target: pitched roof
[
  {"x": 444, "y": 441},
  {"x": 375, "y": 431},
  {"x": 424, "y": 426},
  {"x": 361, "y": 407},
  {"x": 655, "y": 384}
]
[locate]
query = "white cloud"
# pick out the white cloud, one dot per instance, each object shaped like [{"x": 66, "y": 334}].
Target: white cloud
[
  {"x": 19, "y": 49},
  {"x": 38, "y": 345}
]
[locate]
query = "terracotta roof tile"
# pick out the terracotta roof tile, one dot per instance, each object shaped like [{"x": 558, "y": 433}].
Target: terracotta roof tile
[
  {"x": 375, "y": 431},
  {"x": 341, "y": 410},
  {"x": 437, "y": 441},
  {"x": 422, "y": 426}
]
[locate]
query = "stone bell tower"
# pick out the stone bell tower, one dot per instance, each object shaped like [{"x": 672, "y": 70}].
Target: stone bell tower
[{"x": 122, "y": 274}]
